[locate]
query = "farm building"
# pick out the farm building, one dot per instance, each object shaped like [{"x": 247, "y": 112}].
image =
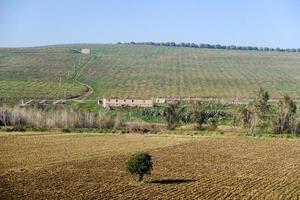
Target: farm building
[
  {"x": 160, "y": 100},
  {"x": 116, "y": 102},
  {"x": 85, "y": 51}
]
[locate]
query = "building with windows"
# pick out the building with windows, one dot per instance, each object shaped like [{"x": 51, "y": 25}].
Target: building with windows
[{"x": 116, "y": 102}]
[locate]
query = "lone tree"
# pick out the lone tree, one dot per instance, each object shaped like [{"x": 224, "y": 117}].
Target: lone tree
[{"x": 139, "y": 164}]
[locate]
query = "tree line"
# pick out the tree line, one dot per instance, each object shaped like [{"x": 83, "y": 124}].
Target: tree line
[
  {"x": 260, "y": 116},
  {"x": 214, "y": 46}
]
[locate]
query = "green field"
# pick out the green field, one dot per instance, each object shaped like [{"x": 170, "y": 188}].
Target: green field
[
  {"x": 39, "y": 89},
  {"x": 138, "y": 71}
]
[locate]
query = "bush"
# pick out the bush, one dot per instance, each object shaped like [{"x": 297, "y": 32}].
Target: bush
[
  {"x": 16, "y": 129},
  {"x": 285, "y": 121},
  {"x": 66, "y": 130},
  {"x": 139, "y": 128},
  {"x": 139, "y": 164},
  {"x": 173, "y": 115},
  {"x": 37, "y": 129}
]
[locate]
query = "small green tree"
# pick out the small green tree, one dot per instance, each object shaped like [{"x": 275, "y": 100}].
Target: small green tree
[
  {"x": 261, "y": 104},
  {"x": 139, "y": 164}
]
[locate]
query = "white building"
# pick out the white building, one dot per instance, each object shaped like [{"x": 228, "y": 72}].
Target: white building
[
  {"x": 159, "y": 100},
  {"x": 116, "y": 102},
  {"x": 85, "y": 51}
]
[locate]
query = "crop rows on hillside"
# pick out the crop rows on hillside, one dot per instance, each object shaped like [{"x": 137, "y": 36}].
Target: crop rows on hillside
[
  {"x": 39, "y": 90},
  {"x": 149, "y": 71},
  {"x": 137, "y": 71},
  {"x": 36, "y": 73}
]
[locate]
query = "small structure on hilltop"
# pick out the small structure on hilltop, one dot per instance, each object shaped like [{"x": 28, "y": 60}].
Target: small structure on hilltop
[
  {"x": 116, "y": 102},
  {"x": 85, "y": 51}
]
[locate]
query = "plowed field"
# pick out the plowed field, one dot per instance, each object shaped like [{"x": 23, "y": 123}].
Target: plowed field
[{"x": 92, "y": 167}]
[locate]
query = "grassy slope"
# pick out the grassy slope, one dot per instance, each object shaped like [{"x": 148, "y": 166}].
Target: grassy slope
[
  {"x": 36, "y": 73},
  {"x": 148, "y": 71}
]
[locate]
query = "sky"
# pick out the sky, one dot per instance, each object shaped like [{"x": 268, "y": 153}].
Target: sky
[{"x": 266, "y": 23}]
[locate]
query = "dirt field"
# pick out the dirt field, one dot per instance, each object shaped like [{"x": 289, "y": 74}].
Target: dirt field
[{"x": 92, "y": 167}]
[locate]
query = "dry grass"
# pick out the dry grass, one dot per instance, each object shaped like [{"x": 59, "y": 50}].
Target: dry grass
[
  {"x": 217, "y": 168},
  {"x": 55, "y": 117}
]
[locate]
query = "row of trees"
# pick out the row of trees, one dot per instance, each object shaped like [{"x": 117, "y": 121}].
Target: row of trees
[
  {"x": 214, "y": 46},
  {"x": 260, "y": 116},
  {"x": 175, "y": 114},
  {"x": 257, "y": 116}
]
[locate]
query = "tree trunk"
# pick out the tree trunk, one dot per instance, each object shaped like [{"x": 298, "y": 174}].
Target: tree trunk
[{"x": 141, "y": 178}]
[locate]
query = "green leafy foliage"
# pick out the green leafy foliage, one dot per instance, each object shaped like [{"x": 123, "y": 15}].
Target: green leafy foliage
[
  {"x": 139, "y": 164},
  {"x": 17, "y": 128},
  {"x": 285, "y": 121},
  {"x": 173, "y": 115}
]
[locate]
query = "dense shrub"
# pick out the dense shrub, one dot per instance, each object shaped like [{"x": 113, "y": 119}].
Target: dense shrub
[
  {"x": 176, "y": 114},
  {"x": 66, "y": 130},
  {"x": 16, "y": 129},
  {"x": 139, "y": 164},
  {"x": 37, "y": 129},
  {"x": 173, "y": 115},
  {"x": 139, "y": 127},
  {"x": 256, "y": 115},
  {"x": 155, "y": 112},
  {"x": 136, "y": 127},
  {"x": 209, "y": 117},
  {"x": 285, "y": 121}
]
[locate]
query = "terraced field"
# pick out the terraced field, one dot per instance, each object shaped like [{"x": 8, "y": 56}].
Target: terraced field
[
  {"x": 58, "y": 166},
  {"x": 151, "y": 71}
]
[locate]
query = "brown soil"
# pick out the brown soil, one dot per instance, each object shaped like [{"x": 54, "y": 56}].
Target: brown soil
[{"x": 217, "y": 168}]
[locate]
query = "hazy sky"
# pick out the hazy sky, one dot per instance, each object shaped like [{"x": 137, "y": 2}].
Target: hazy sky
[{"x": 271, "y": 23}]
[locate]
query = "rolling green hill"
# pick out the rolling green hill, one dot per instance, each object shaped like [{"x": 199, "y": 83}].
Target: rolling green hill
[{"x": 139, "y": 71}]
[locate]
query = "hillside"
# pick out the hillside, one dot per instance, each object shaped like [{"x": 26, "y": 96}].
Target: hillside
[{"x": 146, "y": 71}]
